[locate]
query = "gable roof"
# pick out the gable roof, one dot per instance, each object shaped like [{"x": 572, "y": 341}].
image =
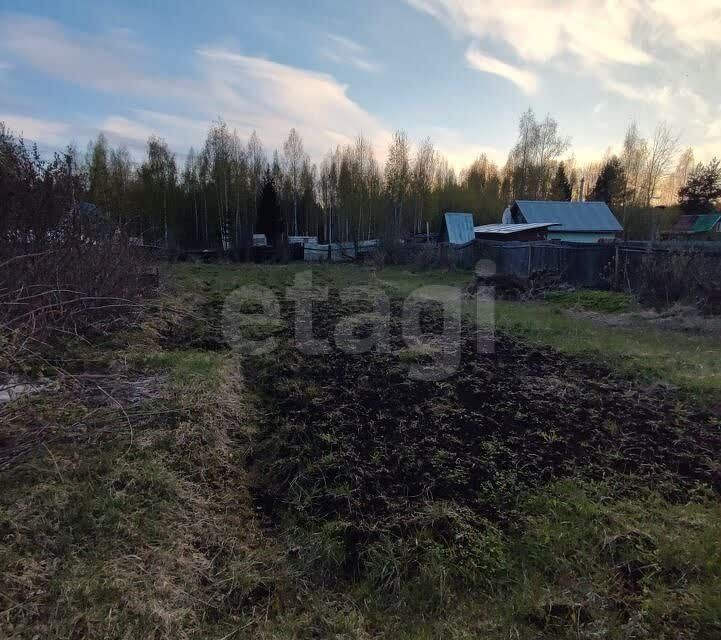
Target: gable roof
[
  {"x": 571, "y": 216},
  {"x": 459, "y": 227},
  {"x": 696, "y": 223}
]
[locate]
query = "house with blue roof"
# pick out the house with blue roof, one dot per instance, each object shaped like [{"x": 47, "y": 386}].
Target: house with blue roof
[{"x": 572, "y": 221}]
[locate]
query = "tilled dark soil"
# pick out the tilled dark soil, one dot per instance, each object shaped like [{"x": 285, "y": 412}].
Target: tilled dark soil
[{"x": 352, "y": 438}]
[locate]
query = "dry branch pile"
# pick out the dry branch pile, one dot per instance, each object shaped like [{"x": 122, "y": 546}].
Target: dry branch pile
[
  {"x": 66, "y": 271},
  {"x": 64, "y": 266},
  {"x": 511, "y": 287}
]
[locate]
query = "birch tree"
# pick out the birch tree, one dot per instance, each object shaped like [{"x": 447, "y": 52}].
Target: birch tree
[
  {"x": 661, "y": 154},
  {"x": 121, "y": 182},
  {"x": 424, "y": 166},
  {"x": 293, "y": 157},
  {"x": 633, "y": 159},
  {"x": 257, "y": 161},
  {"x": 397, "y": 176},
  {"x": 549, "y": 147},
  {"x": 98, "y": 170}
]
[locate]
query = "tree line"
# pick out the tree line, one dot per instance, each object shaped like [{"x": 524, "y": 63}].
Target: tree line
[{"x": 230, "y": 189}]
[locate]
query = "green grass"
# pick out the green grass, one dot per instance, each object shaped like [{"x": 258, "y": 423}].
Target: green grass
[
  {"x": 591, "y": 300},
  {"x": 690, "y": 362},
  {"x": 588, "y": 561},
  {"x": 669, "y": 554},
  {"x": 187, "y": 368}
]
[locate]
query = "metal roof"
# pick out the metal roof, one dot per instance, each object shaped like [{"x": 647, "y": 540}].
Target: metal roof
[
  {"x": 571, "y": 216},
  {"x": 459, "y": 227},
  {"x": 513, "y": 228},
  {"x": 700, "y": 223}
]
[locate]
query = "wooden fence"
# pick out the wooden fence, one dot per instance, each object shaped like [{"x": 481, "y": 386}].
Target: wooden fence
[{"x": 619, "y": 265}]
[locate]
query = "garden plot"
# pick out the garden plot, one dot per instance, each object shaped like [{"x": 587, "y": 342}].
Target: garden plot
[{"x": 353, "y": 456}]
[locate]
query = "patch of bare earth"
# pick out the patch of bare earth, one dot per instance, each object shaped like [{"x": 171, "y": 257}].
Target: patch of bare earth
[{"x": 351, "y": 443}]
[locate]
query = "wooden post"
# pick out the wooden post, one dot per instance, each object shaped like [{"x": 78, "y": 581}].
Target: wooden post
[
  {"x": 615, "y": 269},
  {"x": 530, "y": 258}
]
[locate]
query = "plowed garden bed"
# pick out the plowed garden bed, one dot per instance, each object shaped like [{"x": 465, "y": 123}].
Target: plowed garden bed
[{"x": 352, "y": 455}]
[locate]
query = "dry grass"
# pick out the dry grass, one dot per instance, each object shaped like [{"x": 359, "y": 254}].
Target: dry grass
[{"x": 136, "y": 532}]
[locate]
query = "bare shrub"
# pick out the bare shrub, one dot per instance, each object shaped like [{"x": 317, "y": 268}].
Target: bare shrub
[
  {"x": 376, "y": 258},
  {"x": 425, "y": 256},
  {"x": 686, "y": 276},
  {"x": 63, "y": 266},
  {"x": 394, "y": 251}
]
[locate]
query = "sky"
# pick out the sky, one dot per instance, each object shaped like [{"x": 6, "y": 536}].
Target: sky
[{"x": 457, "y": 71}]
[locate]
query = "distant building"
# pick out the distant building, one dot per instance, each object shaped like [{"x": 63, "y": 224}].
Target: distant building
[
  {"x": 457, "y": 228},
  {"x": 573, "y": 221},
  {"x": 526, "y": 232},
  {"x": 259, "y": 240},
  {"x": 303, "y": 240},
  {"x": 706, "y": 226}
]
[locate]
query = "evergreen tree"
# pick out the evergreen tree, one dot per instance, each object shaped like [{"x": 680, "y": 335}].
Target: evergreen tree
[
  {"x": 561, "y": 186},
  {"x": 702, "y": 189},
  {"x": 158, "y": 176},
  {"x": 610, "y": 185},
  {"x": 270, "y": 221}
]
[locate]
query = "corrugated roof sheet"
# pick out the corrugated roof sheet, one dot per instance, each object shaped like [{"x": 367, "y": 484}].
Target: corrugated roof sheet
[
  {"x": 697, "y": 223},
  {"x": 459, "y": 227},
  {"x": 706, "y": 222},
  {"x": 512, "y": 228},
  {"x": 572, "y": 216}
]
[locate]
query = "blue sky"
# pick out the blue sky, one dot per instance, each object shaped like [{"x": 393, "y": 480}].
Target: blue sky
[{"x": 458, "y": 72}]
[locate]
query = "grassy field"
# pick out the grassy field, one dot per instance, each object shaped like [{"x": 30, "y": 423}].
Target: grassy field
[
  {"x": 689, "y": 362},
  {"x": 564, "y": 487}
]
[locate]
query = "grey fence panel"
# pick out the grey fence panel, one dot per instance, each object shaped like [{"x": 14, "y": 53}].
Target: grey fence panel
[
  {"x": 620, "y": 265},
  {"x": 590, "y": 265},
  {"x": 339, "y": 251},
  {"x": 510, "y": 258},
  {"x": 583, "y": 265}
]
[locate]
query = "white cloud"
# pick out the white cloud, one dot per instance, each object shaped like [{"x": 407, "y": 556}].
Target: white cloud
[
  {"x": 637, "y": 51},
  {"x": 694, "y": 25},
  {"x": 652, "y": 95},
  {"x": 343, "y": 50},
  {"x": 455, "y": 146},
  {"x": 52, "y": 132},
  {"x": 254, "y": 93},
  {"x": 647, "y": 58},
  {"x": 248, "y": 92},
  {"x": 714, "y": 129},
  {"x": 129, "y": 132},
  {"x": 541, "y": 30},
  {"x": 179, "y": 132},
  {"x": 604, "y": 39},
  {"x": 525, "y": 80},
  {"x": 97, "y": 62}
]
